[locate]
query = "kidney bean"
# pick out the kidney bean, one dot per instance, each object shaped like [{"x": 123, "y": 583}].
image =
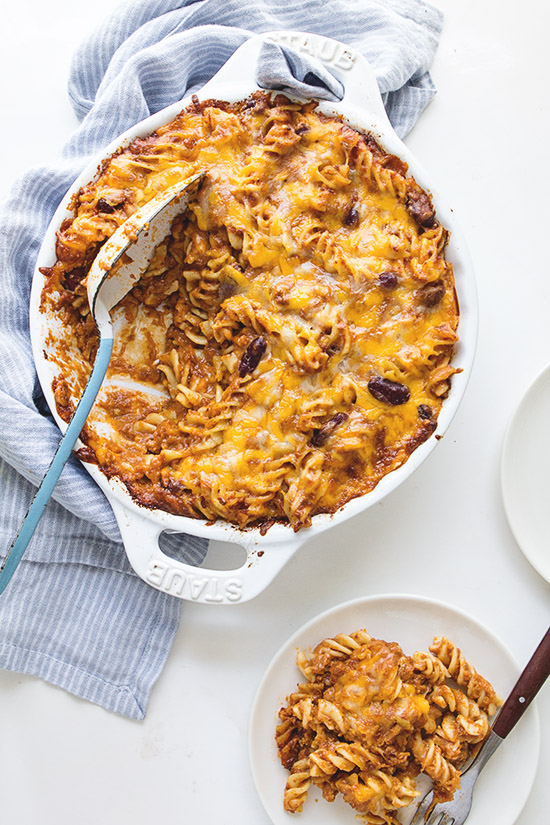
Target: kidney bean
[
  {"x": 227, "y": 289},
  {"x": 323, "y": 433},
  {"x": 390, "y": 392},
  {"x": 104, "y": 205},
  {"x": 431, "y": 294},
  {"x": 74, "y": 277},
  {"x": 351, "y": 217},
  {"x": 424, "y": 411},
  {"x": 388, "y": 279},
  {"x": 252, "y": 355}
]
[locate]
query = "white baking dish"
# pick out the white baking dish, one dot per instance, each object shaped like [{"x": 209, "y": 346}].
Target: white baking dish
[{"x": 140, "y": 527}]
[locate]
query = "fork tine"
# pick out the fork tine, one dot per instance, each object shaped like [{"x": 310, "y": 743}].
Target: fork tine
[
  {"x": 422, "y": 810},
  {"x": 440, "y": 818}
]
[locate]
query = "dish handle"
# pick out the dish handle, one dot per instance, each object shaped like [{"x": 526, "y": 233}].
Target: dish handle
[
  {"x": 199, "y": 584},
  {"x": 348, "y": 65}
]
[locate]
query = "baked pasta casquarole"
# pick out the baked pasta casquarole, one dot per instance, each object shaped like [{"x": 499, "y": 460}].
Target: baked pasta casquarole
[
  {"x": 369, "y": 719},
  {"x": 291, "y": 341}
]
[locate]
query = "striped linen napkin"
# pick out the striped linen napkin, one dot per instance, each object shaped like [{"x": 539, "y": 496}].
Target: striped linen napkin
[{"x": 74, "y": 613}]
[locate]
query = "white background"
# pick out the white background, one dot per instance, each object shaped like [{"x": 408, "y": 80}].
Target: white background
[{"x": 442, "y": 534}]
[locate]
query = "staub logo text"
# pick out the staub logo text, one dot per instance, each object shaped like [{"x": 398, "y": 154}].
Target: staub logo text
[
  {"x": 328, "y": 51},
  {"x": 196, "y": 588}
]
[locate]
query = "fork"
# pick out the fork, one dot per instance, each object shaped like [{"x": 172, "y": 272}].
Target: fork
[{"x": 532, "y": 678}]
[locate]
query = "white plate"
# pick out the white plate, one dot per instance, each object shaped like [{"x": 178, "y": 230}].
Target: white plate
[
  {"x": 525, "y": 476},
  {"x": 412, "y": 622}
]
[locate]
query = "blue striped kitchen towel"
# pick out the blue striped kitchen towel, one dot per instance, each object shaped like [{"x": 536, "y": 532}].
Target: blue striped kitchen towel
[{"x": 74, "y": 612}]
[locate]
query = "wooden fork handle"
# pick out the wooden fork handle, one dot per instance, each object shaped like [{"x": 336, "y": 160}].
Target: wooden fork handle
[{"x": 526, "y": 688}]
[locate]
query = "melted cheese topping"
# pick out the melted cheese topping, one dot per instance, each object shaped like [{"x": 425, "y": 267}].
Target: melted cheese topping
[
  {"x": 296, "y": 327},
  {"x": 368, "y": 719}
]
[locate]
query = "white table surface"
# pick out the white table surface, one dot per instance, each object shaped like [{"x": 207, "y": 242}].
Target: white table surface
[{"x": 442, "y": 534}]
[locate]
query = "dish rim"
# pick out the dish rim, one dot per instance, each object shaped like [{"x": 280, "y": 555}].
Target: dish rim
[{"x": 534, "y": 555}]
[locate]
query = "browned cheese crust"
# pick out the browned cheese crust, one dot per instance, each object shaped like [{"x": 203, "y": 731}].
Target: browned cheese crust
[{"x": 291, "y": 340}]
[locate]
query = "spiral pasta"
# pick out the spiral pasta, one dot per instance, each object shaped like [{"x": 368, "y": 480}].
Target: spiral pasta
[
  {"x": 369, "y": 719},
  {"x": 477, "y": 688},
  {"x": 291, "y": 340}
]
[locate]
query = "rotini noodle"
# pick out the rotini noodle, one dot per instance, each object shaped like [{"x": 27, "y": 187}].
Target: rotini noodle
[
  {"x": 477, "y": 688},
  {"x": 307, "y": 275},
  {"x": 445, "y": 777},
  {"x": 370, "y": 718}
]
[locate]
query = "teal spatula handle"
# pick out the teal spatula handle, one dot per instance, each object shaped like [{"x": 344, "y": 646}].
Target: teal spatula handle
[{"x": 44, "y": 492}]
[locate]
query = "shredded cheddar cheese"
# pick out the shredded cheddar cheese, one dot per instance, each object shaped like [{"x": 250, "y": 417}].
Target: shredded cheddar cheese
[
  {"x": 290, "y": 342},
  {"x": 368, "y": 719}
]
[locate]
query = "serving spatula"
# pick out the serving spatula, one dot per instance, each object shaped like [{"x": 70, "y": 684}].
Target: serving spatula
[{"x": 117, "y": 268}]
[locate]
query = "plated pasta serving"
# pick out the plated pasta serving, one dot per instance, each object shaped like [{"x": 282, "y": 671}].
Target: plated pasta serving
[
  {"x": 369, "y": 719},
  {"x": 291, "y": 340},
  {"x": 378, "y": 710}
]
